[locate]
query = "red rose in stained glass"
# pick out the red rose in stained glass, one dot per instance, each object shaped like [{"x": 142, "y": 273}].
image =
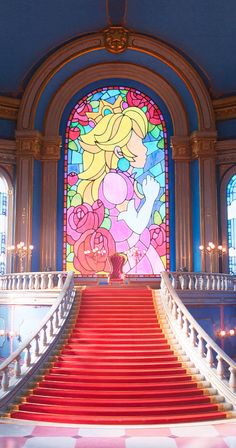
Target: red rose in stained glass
[
  {"x": 83, "y": 217},
  {"x": 158, "y": 238},
  {"x": 81, "y": 114},
  {"x": 153, "y": 115},
  {"x": 136, "y": 99},
  {"x": 74, "y": 133},
  {"x": 92, "y": 251}
]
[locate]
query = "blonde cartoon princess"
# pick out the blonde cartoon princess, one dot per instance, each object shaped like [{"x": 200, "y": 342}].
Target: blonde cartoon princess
[{"x": 111, "y": 150}]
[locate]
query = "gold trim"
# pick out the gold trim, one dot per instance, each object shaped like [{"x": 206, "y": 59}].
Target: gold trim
[
  {"x": 225, "y": 108},
  {"x": 181, "y": 149},
  {"x": 9, "y": 107},
  {"x": 116, "y": 39},
  {"x": 203, "y": 144}
]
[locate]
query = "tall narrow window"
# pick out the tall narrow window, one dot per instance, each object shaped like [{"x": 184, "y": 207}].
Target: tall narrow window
[
  {"x": 3, "y": 223},
  {"x": 231, "y": 221},
  {"x": 116, "y": 184}
]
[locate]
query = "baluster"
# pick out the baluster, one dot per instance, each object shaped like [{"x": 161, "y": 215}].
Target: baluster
[
  {"x": 14, "y": 281},
  {"x": 28, "y": 356},
  {"x": 213, "y": 281},
  {"x": 209, "y": 355},
  {"x": 37, "y": 337},
  {"x": 218, "y": 282},
  {"x": 185, "y": 326},
  {"x": 174, "y": 281},
  {"x": 57, "y": 318},
  {"x": 17, "y": 367},
  {"x": 180, "y": 317},
  {"x": 36, "y": 282},
  {"x": 45, "y": 335},
  {"x": 24, "y": 285},
  {"x": 9, "y": 282},
  {"x": 31, "y": 281},
  {"x": 60, "y": 281},
  {"x": 208, "y": 285},
  {"x": 50, "y": 281},
  {"x": 51, "y": 326},
  {"x": 174, "y": 311},
  {"x": 43, "y": 281},
  {"x": 220, "y": 367},
  {"x": 191, "y": 281},
  {"x": 18, "y": 281},
  {"x": 201, "y": 346},
  {"x": 225, "y": 280},
  {"x": 197, "y": 282},
  {"x": 232, "y": 378},
  {"x": 5, "y": 379},
  {"x": 192, "y": 335},
  {"x": 61, "y": 310}
]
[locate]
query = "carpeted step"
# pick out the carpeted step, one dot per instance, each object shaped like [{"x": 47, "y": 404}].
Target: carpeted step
[
  {"x": 119, "y": 420},
  {"x": 115, "y": 378}
]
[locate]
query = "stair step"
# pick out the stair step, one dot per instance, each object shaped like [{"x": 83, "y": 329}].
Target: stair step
[
  {"x": 114, "y": 378},
  {"x": 130, "y": 394},
  {"x": 60, "y": 368},
  {"x": 121, "y": 420},
  {"x": 69, "y": 361},
  {"x": 120, "y": 357},
  {"x": 119, "y": 410}
]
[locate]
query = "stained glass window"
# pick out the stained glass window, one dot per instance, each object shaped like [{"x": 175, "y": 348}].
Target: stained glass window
[
  {"x": 3, "y": 223},
  {"x": 116, "y": 184},
  {"x": 231, "y": 221}
]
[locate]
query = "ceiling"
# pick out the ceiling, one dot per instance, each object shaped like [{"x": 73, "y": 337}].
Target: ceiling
[{"x": 203, "y": 30}]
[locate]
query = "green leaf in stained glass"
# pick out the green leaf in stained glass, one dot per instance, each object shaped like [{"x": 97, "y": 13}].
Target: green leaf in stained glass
[
  {"x": 68, "y": 249},
  {"x": 144, "y": 108},
  {"x": 155, "y": 132},
  {"x": 94, "y": 104},
  {"x": 70, "y": 257},
  {"x": 76, "y": 200},
  {"x": 106, "y": 212},
  {"x": 150, "y": 127},
  {"x": 68, "y": 202},
  {"x": 72, "y": 145},
  {"x": 160, "y": 144},
  {"x": 74, "y": 124},
  {"x": 71, "y": 193},
  {"x": 106, "y": 224},
  {"x": 163, "y": 198},
  {"x": 157, "y": 218}
]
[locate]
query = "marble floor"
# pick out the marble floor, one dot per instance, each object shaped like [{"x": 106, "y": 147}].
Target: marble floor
[{"x": 203, "y": 435}]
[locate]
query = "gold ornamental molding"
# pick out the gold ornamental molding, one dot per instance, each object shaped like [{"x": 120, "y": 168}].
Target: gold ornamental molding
[
  {"x": 181, "y": 149},
  {"x": 7, "y": 151},
  {"x": 28, "y": 143},
  {"x": 136, "y": 42},
  {"x": 9, "y": 107},
  {"x": 116, "y": 39},
  {"x": 203, "y": 144},
  {"x": 51, "y": 149},
  {"x": 225, "y": 108}
]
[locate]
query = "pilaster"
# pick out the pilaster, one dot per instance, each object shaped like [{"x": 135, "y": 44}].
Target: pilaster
[
  {"x": 50, "y": 155},
  {"x": 204, "y": 149},
  {"x": 181, "y": 154},
  {"x": 28, "y": 147}
]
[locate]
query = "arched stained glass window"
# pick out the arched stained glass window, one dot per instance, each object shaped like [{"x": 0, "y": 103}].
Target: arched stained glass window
[
  {"x": 231, "y": 221},
  {"x": 3, "y": 223},
  {"x": 116, "y": 184}
]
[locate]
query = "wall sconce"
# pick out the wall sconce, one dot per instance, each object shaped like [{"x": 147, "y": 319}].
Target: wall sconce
[
  {"x": 225, "y": 333},
  {"x": 21, "y": 251},
  {"x": 211, "y": 249}
]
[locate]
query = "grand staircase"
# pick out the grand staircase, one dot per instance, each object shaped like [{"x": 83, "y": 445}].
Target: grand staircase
[{"x": 117, "y": 367}]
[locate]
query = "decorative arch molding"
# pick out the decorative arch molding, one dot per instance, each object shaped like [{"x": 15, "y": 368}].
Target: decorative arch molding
[
  {"x": 119, "y": 70},
  {"x": 137, "y": 42}
]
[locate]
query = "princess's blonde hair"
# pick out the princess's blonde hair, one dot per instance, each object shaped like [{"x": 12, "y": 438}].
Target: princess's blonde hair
[{"x": 113, "y": 130}]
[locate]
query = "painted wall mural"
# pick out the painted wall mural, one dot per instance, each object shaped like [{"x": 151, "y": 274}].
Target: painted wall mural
[{"x": 116, "y": 184}]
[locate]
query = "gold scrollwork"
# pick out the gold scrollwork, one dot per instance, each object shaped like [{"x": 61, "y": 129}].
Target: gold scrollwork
[{"x": 116, "y": 39}]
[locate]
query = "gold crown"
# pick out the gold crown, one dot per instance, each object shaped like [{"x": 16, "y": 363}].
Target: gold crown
[{"x": 106, "y": 108}]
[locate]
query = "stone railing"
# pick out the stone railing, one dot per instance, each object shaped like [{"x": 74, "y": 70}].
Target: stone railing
[
  {"x": 32, "y": 280},
  {"x": 203, "y": 281},
  {"x": 19, "y": 367},
  {"x": 208, "y": 357}
]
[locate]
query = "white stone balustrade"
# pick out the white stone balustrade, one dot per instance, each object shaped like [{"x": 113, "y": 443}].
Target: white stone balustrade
[
  {"x": 203, "y": 281},
  {"x": 32, "y": 280},
  {"x": 28, "y": 356},
  {"x": 208, "y": 357}
]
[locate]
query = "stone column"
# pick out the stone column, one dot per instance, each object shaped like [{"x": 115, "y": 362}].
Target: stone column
[
  {"x": 28, "y": 147},
  {"x": 50, "y": 156},
  {"x": 181, "y": 154},
  {"x": 203, "y": 148}
]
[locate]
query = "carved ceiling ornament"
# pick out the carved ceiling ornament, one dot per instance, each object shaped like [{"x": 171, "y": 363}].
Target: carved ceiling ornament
[{"x": 116, "y": 39}]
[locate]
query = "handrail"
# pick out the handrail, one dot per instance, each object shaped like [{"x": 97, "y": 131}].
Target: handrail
[
  {"x": 203, "y": 281},
  {"x": 200, "y": 346},
  {"x": 41, "y": 340}
]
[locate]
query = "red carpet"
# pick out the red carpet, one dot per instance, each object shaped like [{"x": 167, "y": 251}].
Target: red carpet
[{"x": 118, "y": 368}]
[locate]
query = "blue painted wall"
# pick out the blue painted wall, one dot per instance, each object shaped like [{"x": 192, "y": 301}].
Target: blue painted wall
[{"x": 7, "y": 128}]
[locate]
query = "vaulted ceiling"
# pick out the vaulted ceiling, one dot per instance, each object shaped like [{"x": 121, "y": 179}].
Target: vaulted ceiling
[{"x": 203, "y": 30}]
